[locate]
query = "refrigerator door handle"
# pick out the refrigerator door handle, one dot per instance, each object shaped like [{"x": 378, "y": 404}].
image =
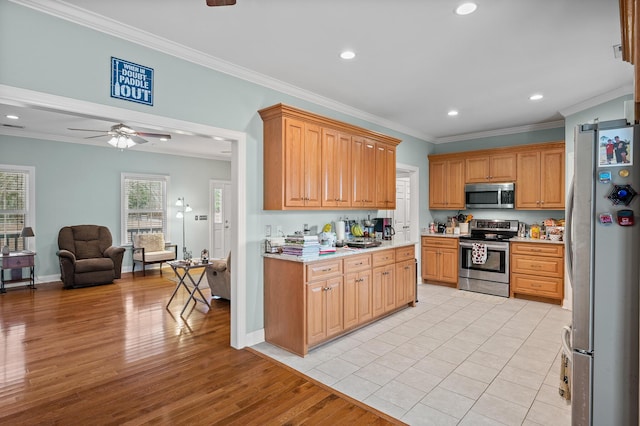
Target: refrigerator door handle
[
  {"x": 568, "y": 258},
  {"x": 565, "y": 338}
]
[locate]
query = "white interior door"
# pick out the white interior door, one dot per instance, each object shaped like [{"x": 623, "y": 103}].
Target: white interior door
[
  {"x": 220, "y": 218},
  {"x": 402, "y": 214}
]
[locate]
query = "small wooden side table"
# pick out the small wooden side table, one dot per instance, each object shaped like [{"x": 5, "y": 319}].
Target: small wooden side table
[
  {"x": 186, "y": 268},
  {"x": 17, "y": 260}
]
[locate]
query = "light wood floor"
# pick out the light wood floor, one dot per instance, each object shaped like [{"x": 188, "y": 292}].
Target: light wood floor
[{"x": 114, "y": 354}]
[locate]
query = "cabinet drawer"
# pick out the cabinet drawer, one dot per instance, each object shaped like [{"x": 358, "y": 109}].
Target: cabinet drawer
[
  {"x": 538, "y": 265},
  {"x": 537, "y": 285},
  {"x": 357, "y": 263},
  {"x": 538, "y": 249},
  {"x": 440, "y": 242},
  {"x": 9, "y": 262},
  {"x": 405, "y": 253},
  {"x": 384, "y": 257},
  {"x": 322, "y": 270}
]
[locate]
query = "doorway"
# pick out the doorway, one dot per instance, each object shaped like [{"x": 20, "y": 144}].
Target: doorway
[
  {"x": 220, "y": 212},
  {"x": 40, "y": 100},
  {"x": 406, "y": 215},
  {"x": 402, "y": 214}
]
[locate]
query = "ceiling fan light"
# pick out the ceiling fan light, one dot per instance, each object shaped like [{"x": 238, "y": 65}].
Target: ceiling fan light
[{"x": 121, "y": 142}]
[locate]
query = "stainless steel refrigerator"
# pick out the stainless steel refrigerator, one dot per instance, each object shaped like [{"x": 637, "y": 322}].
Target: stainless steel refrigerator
[{"x": 603, "y": 262}]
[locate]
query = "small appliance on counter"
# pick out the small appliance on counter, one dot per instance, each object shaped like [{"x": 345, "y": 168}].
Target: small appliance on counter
[{"x": 383, "y": 226}]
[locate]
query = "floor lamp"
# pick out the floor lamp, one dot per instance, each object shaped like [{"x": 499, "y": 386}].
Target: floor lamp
[{"x": 184, "y": 208}]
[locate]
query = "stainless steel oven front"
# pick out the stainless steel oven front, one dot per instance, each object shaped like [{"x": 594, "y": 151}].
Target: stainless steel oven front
[{"x": 490, "y": 276}]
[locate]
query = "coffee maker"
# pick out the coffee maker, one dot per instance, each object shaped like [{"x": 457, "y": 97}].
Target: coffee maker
[{"x": 384, "y": 227}]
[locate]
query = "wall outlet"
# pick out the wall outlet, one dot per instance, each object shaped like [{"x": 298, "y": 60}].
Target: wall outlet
[{"x": 267, "y": 230}]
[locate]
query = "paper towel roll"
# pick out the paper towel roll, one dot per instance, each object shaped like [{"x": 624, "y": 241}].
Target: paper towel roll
[{"x": 340, "y": 230}]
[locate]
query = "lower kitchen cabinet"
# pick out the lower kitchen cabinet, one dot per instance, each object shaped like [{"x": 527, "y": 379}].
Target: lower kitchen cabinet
[
  {"x": 309, "y": 303},
  {"x": 324, "y": 310},
  {"x": 537, "y": 270},
  {"x": 405, "y": 275},
  {"x": 384, "y": 295},
  {"x": 440, "y": 260},
  {"x": 358, "y": 297}
]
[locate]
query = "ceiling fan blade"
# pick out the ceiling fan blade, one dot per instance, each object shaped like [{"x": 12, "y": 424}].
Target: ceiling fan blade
[
  {"x": 153, "y": 135},
  {"x": 221, "y": 2},
  {"x": 137, "y": 139},
  {"x": 97, "y": 136},
  {"x": 87, "y": 130}
]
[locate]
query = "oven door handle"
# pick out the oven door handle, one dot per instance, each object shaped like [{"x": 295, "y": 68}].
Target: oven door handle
[{"x": 490, "y": 246}]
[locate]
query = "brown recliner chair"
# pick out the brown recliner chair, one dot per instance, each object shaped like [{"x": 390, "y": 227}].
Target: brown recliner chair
[
  {"x": 87, "y": 256},
  {"x": 219, "y": 278}
]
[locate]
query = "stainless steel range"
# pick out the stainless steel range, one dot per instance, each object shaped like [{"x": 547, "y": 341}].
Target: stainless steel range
[{"x": 484, "y": 256}]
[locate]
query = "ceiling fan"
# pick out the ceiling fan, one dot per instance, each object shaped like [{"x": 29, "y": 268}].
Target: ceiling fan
[
  {"x": 221, "y": 2},
  {"x": 123, "y": 136}
]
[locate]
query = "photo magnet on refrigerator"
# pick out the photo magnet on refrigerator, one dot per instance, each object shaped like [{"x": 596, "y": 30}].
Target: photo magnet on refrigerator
[
  {"x": 625, "y": 217},
  {"x": 604, "y": 176},
  {"x": 605, "y": 218}
]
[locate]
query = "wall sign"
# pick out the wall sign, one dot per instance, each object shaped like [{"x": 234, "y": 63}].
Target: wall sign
[{"x": 131, "y": 82}]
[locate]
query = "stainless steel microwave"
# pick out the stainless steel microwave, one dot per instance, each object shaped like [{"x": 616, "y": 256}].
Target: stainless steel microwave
[{"x": 490, "y": 195}]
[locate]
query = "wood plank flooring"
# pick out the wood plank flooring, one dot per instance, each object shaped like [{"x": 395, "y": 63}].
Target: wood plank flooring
[{"x": 114, "y": 354}]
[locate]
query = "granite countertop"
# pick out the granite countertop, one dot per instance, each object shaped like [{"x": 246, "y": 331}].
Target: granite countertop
[
  {"x": 533, "y": 240},
  {"x": 440, "y": 235},
  {"x": 342, "y": 252}
]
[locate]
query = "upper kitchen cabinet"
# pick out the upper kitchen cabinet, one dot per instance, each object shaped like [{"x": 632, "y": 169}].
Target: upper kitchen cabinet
[
  {"x": 385, "y": 176},
  {"x": 540, "y": 178},
  {"x": 336, "y": 169},
  {"x": 363, "y": 156},
  {"x": 446, "y": 183},
  {"x": 491, "y": 168},
  {"x": 313, "y": 162}
]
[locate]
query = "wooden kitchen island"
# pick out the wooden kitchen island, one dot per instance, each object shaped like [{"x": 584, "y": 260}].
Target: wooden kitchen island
[{"x": 308, "y": 303}]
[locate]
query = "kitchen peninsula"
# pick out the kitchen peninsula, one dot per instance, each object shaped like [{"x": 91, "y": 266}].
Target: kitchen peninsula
[{"x": 311, "y": 302}]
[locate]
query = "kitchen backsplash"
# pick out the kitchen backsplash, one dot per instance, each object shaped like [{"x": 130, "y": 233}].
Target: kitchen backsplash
[{"x": 527, "y": 216}]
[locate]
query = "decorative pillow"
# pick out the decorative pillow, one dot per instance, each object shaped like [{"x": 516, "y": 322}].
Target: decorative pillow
[{"x": 150, "y": 242}]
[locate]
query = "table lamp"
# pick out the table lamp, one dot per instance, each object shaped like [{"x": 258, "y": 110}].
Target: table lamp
[{"x": 26, "y": 232}]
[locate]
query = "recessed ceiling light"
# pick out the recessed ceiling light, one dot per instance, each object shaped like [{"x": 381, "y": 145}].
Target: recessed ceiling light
[
  {"x": 536, "y": 97},
  {"x": 348, "y": 54},
  {"x": 218, "y": 138},
  {"x": 466, "y": 8},
  {"x": 452, "y": 113},
  {"x": 12, "y": 117},
  {"x": 164, "y": 139}
]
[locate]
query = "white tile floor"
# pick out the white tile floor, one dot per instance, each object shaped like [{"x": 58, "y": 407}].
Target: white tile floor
[{"x": 457, "y": 358}]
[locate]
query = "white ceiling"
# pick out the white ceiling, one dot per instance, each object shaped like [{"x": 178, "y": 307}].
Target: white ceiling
[{"x": 415, "y": 60}]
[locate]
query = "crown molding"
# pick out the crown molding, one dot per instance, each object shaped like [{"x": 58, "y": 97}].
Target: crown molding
[
  {"x": 109, "y": 26},
  {"x": 597, "y": 100},
  {"x": 502, "y": 132}
]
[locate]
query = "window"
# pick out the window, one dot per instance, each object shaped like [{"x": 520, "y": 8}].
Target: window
[
  {"x": 17, "y": 204},
  {"x": 144, "y": 205}
]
